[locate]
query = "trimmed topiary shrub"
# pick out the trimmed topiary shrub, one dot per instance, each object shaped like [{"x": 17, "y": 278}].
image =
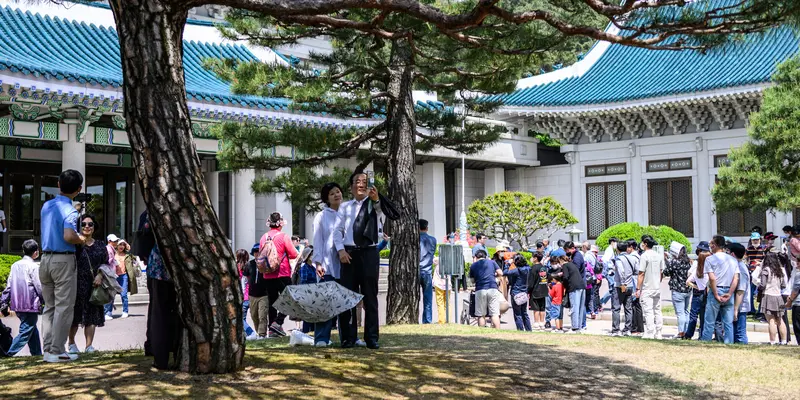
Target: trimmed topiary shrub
[
  {"x": 664, "y": 235},
  {"x": 5, "y": 268}
]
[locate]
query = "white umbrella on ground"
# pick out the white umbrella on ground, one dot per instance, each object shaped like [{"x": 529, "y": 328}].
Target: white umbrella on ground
[{"x": 317, "y": 302}]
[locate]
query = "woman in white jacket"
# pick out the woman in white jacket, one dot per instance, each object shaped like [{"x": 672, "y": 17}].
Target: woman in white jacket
[{"x": 326, "y": 258}]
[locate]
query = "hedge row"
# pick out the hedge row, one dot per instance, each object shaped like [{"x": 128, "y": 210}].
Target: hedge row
[{"x": 5, "y": 268}]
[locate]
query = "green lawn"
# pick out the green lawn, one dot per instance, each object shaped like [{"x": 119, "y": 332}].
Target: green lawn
[{"x": 435, "y": 362}]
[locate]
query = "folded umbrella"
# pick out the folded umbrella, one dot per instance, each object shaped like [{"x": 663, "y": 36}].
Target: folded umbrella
[{"x": 316, "y": 302}]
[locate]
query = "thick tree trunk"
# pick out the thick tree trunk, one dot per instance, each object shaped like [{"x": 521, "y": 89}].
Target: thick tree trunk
[
  {"x": 403, "y": 298},
  {"x": 194, "y": 248}
]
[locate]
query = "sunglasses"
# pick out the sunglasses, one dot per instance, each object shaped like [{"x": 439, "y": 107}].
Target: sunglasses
[{"x": 87, "y": 224}]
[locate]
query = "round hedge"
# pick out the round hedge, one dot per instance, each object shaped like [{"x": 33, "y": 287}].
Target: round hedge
[{"x": 664, "y": 235}]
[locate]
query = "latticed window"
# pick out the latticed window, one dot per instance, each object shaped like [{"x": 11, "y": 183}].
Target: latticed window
[
  {"x": 670, "y": 204},
  {"x": 740, "y": 222},
  {"x": 605, "y": 206}
]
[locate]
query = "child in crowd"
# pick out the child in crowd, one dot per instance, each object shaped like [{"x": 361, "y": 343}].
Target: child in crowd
[{"x": 556, "y": 298}]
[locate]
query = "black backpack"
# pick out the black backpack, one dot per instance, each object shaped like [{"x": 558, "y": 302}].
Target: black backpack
[{"x": 5, "y": 340}]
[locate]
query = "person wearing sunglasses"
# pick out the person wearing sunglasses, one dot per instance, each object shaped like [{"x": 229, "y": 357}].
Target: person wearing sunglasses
[{"x": 89, "y": 258}]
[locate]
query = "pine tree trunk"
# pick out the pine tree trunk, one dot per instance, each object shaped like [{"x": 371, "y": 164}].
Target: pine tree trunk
[
  {"x": 194, "y": 248},
  {"x": 403, "y": 297}
]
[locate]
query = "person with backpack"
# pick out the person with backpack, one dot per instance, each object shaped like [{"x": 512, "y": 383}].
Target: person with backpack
[
  {"x": 518, "y": 282},
  {"x": 538, "y": 290},
  {"x": 276, "y": 251},
  {"x": 594, "y": 278},
  {"x": 257, "y": 294},
  {"x": 26, "y": 299}
]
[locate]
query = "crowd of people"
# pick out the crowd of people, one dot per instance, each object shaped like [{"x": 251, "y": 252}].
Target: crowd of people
[
  {"x": 713, "y": 292},
  {"x": 74, "y": 285}
]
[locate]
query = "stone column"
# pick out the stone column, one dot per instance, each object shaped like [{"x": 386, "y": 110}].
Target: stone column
[
  {"x": 243, "y": 208},
  {"x": 268, "y": 204},
  {"x": 433, "y": 202},
  {"x": 704, "y": 185},
  {"x": 576, "y": 192},
  {"x": 494, "y": 181},
  {"x": 212, "y": 187},
  {"x": 73, "y": 151}
]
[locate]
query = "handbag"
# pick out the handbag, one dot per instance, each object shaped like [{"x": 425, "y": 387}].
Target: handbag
[
  {"x": 100, "y": 295},
  {"x": 521, "y": 298}
]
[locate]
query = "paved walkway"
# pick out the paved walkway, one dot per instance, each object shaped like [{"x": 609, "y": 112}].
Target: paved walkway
[{"x": 129, "y": 333}]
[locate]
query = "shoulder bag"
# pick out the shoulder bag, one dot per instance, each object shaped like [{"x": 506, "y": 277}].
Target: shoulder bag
[{"x": 100, "y": 294}]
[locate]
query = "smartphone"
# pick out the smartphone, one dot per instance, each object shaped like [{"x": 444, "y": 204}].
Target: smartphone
[{"x": 371, "y": 177}]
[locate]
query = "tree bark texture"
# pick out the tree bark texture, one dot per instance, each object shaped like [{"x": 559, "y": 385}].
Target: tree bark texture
[
  {"x": 403, "y": 297},
  {"x": 195, "y": 250}
]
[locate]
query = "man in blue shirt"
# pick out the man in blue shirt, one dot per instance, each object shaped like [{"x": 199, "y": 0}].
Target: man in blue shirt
[
  {"x": 427, "y": 248},
  {"x": 480, "y": 244},
  {"x": 487, "y": 297},
  {"x": 58, "y": 270}
]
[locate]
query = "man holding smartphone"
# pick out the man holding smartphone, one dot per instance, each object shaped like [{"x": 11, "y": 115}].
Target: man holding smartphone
[{"x": 355, "y": 238}]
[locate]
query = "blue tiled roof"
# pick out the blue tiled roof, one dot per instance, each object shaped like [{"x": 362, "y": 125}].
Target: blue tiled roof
[
  {"x": 55, "y": 48},
  {"x": 626, "y": 73}
]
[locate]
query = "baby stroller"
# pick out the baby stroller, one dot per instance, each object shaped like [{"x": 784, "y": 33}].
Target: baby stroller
[
  {"x": 468, "y": 316},
  {"x": 468, "y": 312}
]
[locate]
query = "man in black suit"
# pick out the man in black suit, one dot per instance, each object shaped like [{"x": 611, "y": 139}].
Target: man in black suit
[{"x": 355, "y": 238}]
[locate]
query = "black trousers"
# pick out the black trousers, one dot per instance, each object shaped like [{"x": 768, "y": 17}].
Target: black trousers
[
  {"x": 796, "y": 323},
  {"x": 638, "y": 316},
  {"x": 361, "y": 276},
  {"x": 618, "y": 300},
  {"x": 163, "y": 322},
  {"x": 274, "y": 289}
]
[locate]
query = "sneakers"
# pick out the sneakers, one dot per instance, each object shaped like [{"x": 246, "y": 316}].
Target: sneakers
[
  {"x": 124, "y": 315},
  {"x": 73, "y": 349},
  {"x": 547, "y": 325},
  {"x": 109, "y": 318},
  {"x": 361, "y": 343},
  {"x": 572, "y": 332},
  {"x": 252, "y": 336},
  {"x": 615, "y": 334},
  {"x": 90, "y": 349},
  {"x": 321, "y": 344},
  {"x": 58, "y": 358},
  {"x": 626, "y": 333},
  {"x": 276, "y": 329}
]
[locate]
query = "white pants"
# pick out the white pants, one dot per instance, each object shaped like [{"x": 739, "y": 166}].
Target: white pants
[{"x": 651, "y": 308}]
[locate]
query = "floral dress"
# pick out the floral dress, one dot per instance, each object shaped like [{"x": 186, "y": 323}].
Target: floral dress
[
  {"x": 678, "y": 272},
  {"x": 89, "y": 260}
]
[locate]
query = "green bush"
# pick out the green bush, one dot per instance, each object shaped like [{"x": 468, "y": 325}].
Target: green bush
[
  {"x": 664, "y": 235},
  {"x": 5, "y": 268}
]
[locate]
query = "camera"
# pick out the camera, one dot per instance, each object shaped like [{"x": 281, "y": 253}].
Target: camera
[{"x": 83, "y": 197}]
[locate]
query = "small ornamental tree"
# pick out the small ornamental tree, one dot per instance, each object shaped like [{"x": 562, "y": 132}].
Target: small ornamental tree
[
  {"x": 765, "y": 172},
  {"x": 518, "y": 217}
]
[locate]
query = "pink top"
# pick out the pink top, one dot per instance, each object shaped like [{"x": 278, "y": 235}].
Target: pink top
[{"x": 286, "y": 252}]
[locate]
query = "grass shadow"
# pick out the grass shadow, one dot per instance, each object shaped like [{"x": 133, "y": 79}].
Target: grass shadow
[{"x": 413, "y": 362}]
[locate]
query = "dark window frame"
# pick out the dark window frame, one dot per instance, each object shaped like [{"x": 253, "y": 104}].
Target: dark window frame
[
  {"x": 669, "y": 164},
  {"x": 670, "y": 216},
  {"x": 605, "y": 170},
  {"x": 605, "y": 194}
]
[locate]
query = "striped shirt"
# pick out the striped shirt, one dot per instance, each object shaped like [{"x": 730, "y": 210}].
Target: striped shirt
[{"x": 754, "y": 255}]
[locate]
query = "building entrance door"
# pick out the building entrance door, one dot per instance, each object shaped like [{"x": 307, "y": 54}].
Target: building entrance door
[
  {"x": 24, "y": 196},
  {"x": 24, "y": 188}
]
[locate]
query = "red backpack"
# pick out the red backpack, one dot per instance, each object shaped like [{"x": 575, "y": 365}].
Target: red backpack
[{"x": 267, "y": 261}]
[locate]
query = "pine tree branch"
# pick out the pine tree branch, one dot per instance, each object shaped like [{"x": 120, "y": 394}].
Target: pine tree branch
[{"x": 716, "y": 21}]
